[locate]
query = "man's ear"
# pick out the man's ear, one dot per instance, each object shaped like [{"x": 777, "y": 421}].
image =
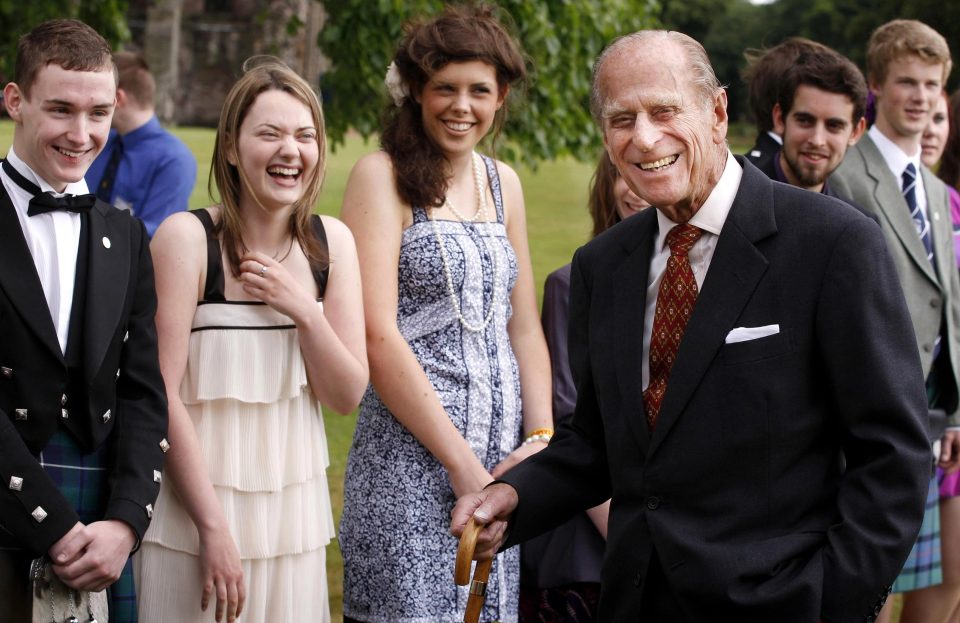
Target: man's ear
[
  {"x": 778, "y": 123},
  {"x": 13, "y": 100},
  {"x": 122, "y": 97}
]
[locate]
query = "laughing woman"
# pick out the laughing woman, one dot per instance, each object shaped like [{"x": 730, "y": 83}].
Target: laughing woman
[
  {"x": 453, "y": 333},
  {"x": 260, "y": 322}
]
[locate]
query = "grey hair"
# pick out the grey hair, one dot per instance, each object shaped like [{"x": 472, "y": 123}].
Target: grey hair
[{"x": 704, "y": 79}]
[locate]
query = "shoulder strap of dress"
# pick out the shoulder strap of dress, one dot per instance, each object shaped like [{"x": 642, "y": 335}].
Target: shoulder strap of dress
[
  {"x": 321, "y": 275},
  {"x": 213, "y": 288},
  {"x": 494, "y": 178}
]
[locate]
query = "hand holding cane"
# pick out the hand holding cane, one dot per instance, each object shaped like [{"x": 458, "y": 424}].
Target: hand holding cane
[{"x": 461, "y": 574}]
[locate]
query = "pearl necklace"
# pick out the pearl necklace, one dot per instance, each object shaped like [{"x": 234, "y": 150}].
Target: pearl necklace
[
  {"x": 478, "y": 179},
  {"x": 454, "y": 301}
]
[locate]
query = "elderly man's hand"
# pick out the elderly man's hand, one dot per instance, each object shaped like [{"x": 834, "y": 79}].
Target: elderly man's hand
[{"x": 491, "y": 508}]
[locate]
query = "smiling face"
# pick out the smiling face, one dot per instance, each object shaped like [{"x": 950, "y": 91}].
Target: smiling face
[
  {"x": 906, "y": 98},
  {"x": 64, "y": 123},
  {"x": 666, "y": 141},
  {"x": 816, "y": 134},
  {"x": 459, "y": 103},
  {"x": 934, "y": 137},
  {"x": 277, "y": 149}
]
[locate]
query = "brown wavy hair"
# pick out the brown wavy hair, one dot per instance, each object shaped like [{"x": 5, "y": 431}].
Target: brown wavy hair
[
  {"x": 602, "y": 202},
  {"x": 263, "y": 74},
  {"x": 461, "y": 33},
  {"x": 949, "y": 170},
  {"x": 69, "y": 43}
]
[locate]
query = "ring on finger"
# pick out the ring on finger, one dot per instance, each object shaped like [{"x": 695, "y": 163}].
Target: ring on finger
[{"x": 263, "y": 271}]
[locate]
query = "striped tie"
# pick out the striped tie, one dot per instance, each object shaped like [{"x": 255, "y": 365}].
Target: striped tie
[{"x": 919, "y": 218}]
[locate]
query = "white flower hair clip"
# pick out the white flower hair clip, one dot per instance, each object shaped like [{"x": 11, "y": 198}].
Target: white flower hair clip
[{"x": 396, "y": 87}]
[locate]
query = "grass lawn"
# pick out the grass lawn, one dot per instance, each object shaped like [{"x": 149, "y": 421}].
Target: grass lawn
[{"x": 557, "y": 223}]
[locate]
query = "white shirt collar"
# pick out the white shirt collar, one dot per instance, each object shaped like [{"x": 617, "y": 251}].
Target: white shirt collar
[
  {"x": 775, "y": 136},
  {"x": 74, "y": 188},
  {"x": 713, "y": 213},
  {"x": 896, "y": 159}
]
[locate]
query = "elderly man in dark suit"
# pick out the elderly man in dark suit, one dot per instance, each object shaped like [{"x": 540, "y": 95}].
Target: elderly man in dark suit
[
  {"x": 749, "y": 393},
  {"x": 82, "y": 403}
]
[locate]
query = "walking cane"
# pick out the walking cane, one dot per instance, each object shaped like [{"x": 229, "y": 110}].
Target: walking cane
[{"x": 461, "y": 574}]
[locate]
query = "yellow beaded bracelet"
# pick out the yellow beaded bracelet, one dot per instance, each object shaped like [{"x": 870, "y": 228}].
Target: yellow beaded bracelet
[{"x": 541, "y": 434}]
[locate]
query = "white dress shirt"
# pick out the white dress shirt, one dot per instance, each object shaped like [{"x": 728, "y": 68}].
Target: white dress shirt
[
  {"x": 897, "y": 160},
  {"x": 710, "y": 218},
  {"x": 53, "y": 239}
]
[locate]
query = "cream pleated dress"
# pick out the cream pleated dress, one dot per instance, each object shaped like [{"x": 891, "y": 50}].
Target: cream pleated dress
[{"x": 262, "y": 437}]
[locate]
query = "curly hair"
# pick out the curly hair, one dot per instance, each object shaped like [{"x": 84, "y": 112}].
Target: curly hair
[{"x": 459, "y": 34}]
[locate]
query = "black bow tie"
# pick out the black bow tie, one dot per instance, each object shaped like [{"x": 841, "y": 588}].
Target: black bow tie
[{"x": 43, "y": 202}]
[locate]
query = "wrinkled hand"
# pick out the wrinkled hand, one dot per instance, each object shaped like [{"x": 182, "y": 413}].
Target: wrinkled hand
[
  {"x": 491, "y": 508},
  {"x": 275, "y": 286},
  {"x": 91, "y": 558},
  {"x": 949, "y": 459},
  {"x": 222, "y": 574},
  {"x": 518, "y": 455}
]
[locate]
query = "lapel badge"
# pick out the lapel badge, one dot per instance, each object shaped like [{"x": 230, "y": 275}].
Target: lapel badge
[{"x": 106, "y": 242}]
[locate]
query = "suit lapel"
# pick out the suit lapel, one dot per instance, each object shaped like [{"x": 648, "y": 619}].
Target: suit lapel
[
  {"x": 889, "y": 199},
  {"x": 735, "y": 270},
  {"x": 18, "y": 277},
  {"x": 630, "y": 302},
  {"x": 941, "y": 225},
  {"x": 107, "y": 277}
]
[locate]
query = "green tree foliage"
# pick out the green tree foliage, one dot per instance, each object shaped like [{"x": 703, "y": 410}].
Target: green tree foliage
[
  {"x": 561, "y": 38},
  {"x": 17, "y": 17}
]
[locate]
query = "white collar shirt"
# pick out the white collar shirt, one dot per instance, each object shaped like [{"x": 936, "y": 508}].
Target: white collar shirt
[
  {"x": 710, "y": 218},
  {"x": 53, "y": 239},
  {"x": 897, "y": 160}
]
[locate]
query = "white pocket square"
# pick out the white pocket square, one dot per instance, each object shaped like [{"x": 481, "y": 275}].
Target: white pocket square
[{"x": 745, "y": 334}]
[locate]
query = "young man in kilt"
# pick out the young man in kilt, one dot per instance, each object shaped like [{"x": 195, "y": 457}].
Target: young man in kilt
[{"x": 83, "y": 413}]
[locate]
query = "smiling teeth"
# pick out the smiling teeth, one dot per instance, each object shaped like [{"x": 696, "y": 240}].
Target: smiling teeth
[
  {"x": 282, "y": 171},
  {"x": 70, "y": 154},
  {"x": 459, "y": 127},
  {"x": 659, "y": 164}
]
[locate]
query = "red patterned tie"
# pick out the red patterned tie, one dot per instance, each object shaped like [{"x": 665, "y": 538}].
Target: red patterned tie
[{"x": 677, "y": 294}]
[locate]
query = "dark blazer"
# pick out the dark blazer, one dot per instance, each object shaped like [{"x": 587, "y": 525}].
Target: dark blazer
[
  {"x": 125, "y": 397},
  {"x": 740, "y": 488},
  {"x": 763, "y": 151},
  {"x": 933, "y": 293}
]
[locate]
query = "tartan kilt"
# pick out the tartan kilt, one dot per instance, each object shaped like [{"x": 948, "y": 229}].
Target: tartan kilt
[
  {"x": 84, "y": 481},
  {"x": 923, "y": 567}
]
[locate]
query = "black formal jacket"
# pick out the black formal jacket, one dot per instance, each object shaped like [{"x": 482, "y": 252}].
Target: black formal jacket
[
  {"x": 763, "y": 151},
  {"x": 740, "y": 488},
  {"x": 125, "y": 399}
]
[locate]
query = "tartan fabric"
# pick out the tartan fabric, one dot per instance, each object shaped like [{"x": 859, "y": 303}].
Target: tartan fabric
[
  {"x": 923, "y": 568},
  {"x": 84, "y": 481},
  {"x": 675, "y": 300}
]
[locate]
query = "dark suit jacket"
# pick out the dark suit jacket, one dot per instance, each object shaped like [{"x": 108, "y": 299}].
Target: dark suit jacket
[
  {"x": 126, "y": 400},
  {"x": 763, "y": 151},
  {"x": 740, "y": 488}
]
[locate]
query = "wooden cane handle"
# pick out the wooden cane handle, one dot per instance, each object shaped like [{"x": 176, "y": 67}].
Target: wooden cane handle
[{"x": 461, "y": 573}]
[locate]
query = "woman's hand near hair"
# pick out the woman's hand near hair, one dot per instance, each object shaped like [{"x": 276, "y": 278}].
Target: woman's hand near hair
[{"x": 332, "y": 337}]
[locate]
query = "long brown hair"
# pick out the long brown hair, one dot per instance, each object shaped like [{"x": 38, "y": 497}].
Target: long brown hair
[
  {"x": 264, "y": 74},
  {"x": 602, "y": 202},
  {"x": 458, "y": 34}
]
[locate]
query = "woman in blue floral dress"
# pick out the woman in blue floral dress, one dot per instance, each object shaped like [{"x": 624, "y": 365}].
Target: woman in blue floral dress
[{"x": 459, "y": 367}]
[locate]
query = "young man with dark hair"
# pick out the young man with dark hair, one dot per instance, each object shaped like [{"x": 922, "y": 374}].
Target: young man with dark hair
[
  {"x": 82, "y": 404},
  {"x": 819, "y": 114},
  {"x": 143, "y": 168}
]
